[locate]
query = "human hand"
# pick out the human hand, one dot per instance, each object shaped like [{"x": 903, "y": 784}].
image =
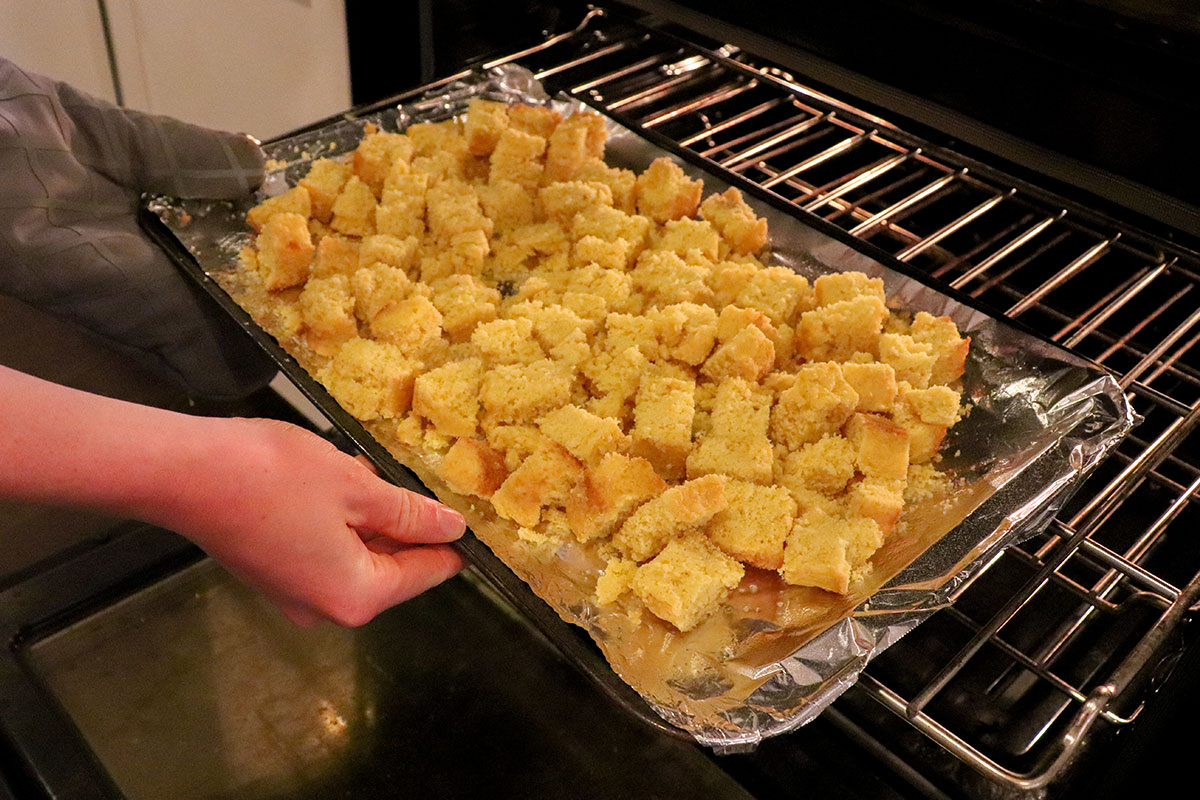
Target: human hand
[
  {"x": 312, "y": 528},
  {"x": 74, "y": 169}
]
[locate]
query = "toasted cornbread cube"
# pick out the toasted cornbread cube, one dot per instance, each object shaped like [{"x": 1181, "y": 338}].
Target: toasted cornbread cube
[
  {"x": 677, "y": 510},
  {"x": 728, "y": 279},
  {"x": 577, "y": 139},
  {"x": 515, "y": 442},
  {"x": 662, "y": 423},
  {"x": 371, "y": 379},
  {"x": 820, "y": 550},
  {"x": 839, "y": 330},
  {"x": 839, "y": 286},
  {"x": 749, "y": 354},
  {"x": 327, "y": 310},
  {"x": 818, "y": 403},
  {"x": 736, "y": 443},
  {"x": 924, "y": 438},
  {"x": 465, "y": 302},
  {"x": 634, "y": 330},
  {"x": 486, "y": 120},
  {"x": 383, "y": 248},
  {"x": 285, "y": 250},
  {"x": 622, "y": 182},
  {"x": 689, "y": 238},
  {"x": 614, "y": 377},
  {"x": 825, "y": 465},
  {"x": 448, "y": 396},
  {"x": 538, "y": 120},
  {"x": 687, "y": 331},
  {"x": 544, "y": 479},
  {"x": 874, "y": 383},
  {"x": 586, "y": 436},
  {"x": 335, "y": 255},
  {"x": 324, "y": 183},
  {"x": 612, "y": 255},
  {"x": 912, "y": 360},
  {"x": 734, "y": 318},
  {"x": 414, "y": 325},
  {"x": 472, "y": 467},
  {"x": 294, "y": 201},
  {"x": 754, "y": 526},
  {"x": 561, "y": 201},
  {"x": 611, "y": 224},
  {"x": 615, "y": 581},
  {"x": 880, "y": 446},
  {"x": 662, "y": 278},
  {"x": 664, "y": 192},
  {"x": 687, "y": 581},
  {"x": 778, "y": 292},
  {"x": 949, "y": 348},
  {"x": 937, "y": 405},
  {"x": 524, "y": 392},
  {"x": 508, "y": 341},
  {"x": 507, "y": 204},
  {"x": 608, "y": 493},
  {"x": 612, "y": 285},
  {"x": 354, "y": 209},
  {"x": 517, "y": 157},
  {"x": 374, "y": 156},
  {"x": 739, "y": 226},
  {"x": 378, "y": 287},
  {"x": 877, "y": 499}
]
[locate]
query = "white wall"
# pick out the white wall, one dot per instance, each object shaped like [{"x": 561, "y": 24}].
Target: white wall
[{"x": 63, "y": 39}]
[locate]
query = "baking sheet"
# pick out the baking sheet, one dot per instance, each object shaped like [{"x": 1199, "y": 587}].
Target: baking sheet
[{"x": 775, "y": 655}]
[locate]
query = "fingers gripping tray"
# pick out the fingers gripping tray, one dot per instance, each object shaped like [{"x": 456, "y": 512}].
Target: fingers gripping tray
[{"x": 773, "y": 655}]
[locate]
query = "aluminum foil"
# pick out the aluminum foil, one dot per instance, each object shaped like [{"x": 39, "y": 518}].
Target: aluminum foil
[{"x": 774, "y": 656}]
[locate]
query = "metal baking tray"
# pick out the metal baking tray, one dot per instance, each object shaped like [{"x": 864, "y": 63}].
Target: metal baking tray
[{"x": 1070, "y": 413}]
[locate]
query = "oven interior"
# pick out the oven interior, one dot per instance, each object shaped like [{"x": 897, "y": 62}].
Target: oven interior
[{"x": 1050, "y": 661}]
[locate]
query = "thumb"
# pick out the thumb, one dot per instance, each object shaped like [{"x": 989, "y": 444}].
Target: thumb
[{"x": 404, "y": 516}]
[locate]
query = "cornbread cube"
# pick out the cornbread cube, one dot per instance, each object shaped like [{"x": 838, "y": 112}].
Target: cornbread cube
[
  {"x": 586, "y": 436},
  {"x": 880, "y": 446},
  {"x": 822, "y": 550},
  {"x": 611, "y": 255},
  {"x": 614, "y": 377},
  {"x": 508, "y": 341},
  {"x": 285, "y": 250},
  {"x": 327, "y": 310},
  {"x": 370, "y": 379},
  {"x": 912, "y": 360},
  {"x": 839, "y": 286},
  {"x": 739, "y": 226},
  {"x": 517, "y": 157},
  {"x": 525, "y": 247},
  {"x": 924, "y": 438},
  {"x": 754, "y": 526},
  {"x": 874, "y": 383},
  {"x": 839, "y": 330},
  {"x": 401, "y": 212},
  {"x": 749, "y": 354},
  {"x": 818, "y": 403},
  {"x": 736, "y": 443},
  {"x": 464, "y": 253},
  {"x": 524, "y": 392},
  {"x": 634, "y": 330},
  {"x": 778, "y": 292},
  {"x": 516, "y": 442},
  {"x": 937, "y": 405},
  {"x": 734, "y": 318},
  {"x": 613, "y": 285},
  {"x": 687, "y": 581},
  {"x": 429, "y": 138},
  {"x": 687, "y": 331},
  {"x": 577, "y": 139},
  {"x": 924, "y": 482},
  {"x": 507, "y": 204},
  {"x": 949, "y": 348},
  {"x": 728, "y": 279},
  {"x": 374, "y": 156},
  {"x": 486, "y": 121},
  {"x": 615, "y": 581},
  {"x": 825, "y": 466},
  {"x": 878, "y": 499},
  {"x": 448, "y": 396},
  {"x": 552, "y": 324},
  {"x": 452, "y": 208},
  {"x": 621, "y": 182},
  {"x": 544, "y": 479},
  {"x": 608, "y": 493},
  {"x": 664, "y": 192},
  {"x": 470, "y": 466},
  {"x": 592, "y": 307},
  {"x": 611, "y": 224},
  {"x": 335, "y": 255},
  {"x": 676, "y": 511},
  {"x": 383, "y": 248},
  {"x": 663, "y": 278},
  {"x": 662, "y": 423},
  {"x": 354, "y": 209},
  {"x": 324, "y": 183},
  {"x": 688, "y": 238},
  {"x": 538, "y": 120},
  {"x": 294, "y": 201},
  {"x": 414, "y": 325},
  {"x": 561, "y": 201},
  {"x": 378, "y": 287},
  {"x": 465, "y": 302}
]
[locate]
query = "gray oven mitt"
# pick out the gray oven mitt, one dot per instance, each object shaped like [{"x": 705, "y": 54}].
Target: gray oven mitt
[{"x": 72, "y": 171}]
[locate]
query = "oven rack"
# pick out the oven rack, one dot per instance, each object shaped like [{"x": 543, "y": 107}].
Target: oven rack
[{"x": 1058, "y": 637}]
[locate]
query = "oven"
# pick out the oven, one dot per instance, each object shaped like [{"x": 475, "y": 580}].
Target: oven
[{"x": 1063, "y": 669}]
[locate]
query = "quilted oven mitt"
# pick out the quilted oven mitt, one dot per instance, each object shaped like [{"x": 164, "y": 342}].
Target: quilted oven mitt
[{"x": 72, "y": 171}]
